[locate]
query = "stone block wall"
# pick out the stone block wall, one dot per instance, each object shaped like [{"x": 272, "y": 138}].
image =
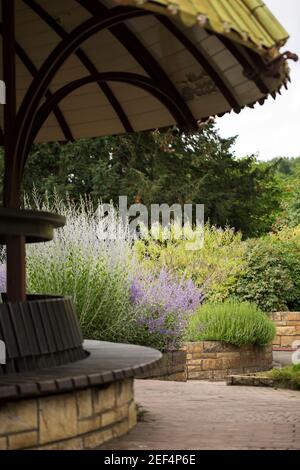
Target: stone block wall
[
  {"x": 287, "y": 328},
  {"x": 172, "y": 366},
  {"x": 214, "y": 360},
  {"x": 78, "y": 420}
]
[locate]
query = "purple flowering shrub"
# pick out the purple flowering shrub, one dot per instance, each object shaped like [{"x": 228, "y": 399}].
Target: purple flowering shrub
[
  {"x": 163, "y": 305},
  {"x": 2, "y": 278}
]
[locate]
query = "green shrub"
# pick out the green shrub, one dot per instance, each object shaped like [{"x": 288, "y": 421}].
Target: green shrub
[
  {"x": 214, "y": 268},
  {"x": 232, "y": 322},
  {"x": 271, "y": 274}
]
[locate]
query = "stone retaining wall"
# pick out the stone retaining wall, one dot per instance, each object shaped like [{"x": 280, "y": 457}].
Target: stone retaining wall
[
  {"x": 78, "y": 420},
  {"x": 287, "y": 328},
  {"x": 214, "y": 360},
  {"x": 172, "y": 366}
]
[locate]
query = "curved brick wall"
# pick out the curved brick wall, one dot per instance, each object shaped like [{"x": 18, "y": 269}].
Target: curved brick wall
[
  {"x": 214, "y": 360},
  {"x": 79, "y": 420},
  {"x": 287, "y": 328}
]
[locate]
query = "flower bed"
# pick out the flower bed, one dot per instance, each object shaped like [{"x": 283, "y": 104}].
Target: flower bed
[{"x": 215, "y": 360}]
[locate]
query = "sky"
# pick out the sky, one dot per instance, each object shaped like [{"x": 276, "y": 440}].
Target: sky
[{"x": 272, "y": 130}]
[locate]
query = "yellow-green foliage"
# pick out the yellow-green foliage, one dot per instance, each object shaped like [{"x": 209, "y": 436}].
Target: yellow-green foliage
[
  {"x": 264, "y": 271},
  {"x": 214, "y": 267},
  {"x": 287, "y": 234}
]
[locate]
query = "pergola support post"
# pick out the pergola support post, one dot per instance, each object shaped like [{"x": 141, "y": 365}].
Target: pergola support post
[
  {"x": 15, "y": 254},
  {"x": 16, "y": 272}
]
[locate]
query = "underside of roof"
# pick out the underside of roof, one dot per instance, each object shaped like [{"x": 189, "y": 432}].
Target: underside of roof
[
  {"x": 108, "y": 69},
  {"x": 249, "y": 22}
]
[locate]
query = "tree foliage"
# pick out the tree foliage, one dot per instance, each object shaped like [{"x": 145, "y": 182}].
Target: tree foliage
[{"x": 162, "y": 167}]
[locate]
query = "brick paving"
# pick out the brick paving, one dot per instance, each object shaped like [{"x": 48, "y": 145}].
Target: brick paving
[{"x": 212, "y": 415}]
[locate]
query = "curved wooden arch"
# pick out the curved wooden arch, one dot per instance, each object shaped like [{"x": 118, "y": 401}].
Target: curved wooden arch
[
  {"x": 146, "y": 83},
  {"x": 132, "y": 43},
  {"x": 40, "y": 84},
  {"x": 26, "y": 61},
  {"x": 56, "y": 111},
  {"x": 141, "y": 54},
  {"x": 84, "y": 59}
]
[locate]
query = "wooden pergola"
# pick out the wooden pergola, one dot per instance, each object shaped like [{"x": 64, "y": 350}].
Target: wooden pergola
[{"x": 84, "y": 68}]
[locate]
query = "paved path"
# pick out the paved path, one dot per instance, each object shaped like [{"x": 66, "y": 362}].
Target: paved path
[
  {"x": 212, "y": 415},
  {"x": 283, "y": 357}
]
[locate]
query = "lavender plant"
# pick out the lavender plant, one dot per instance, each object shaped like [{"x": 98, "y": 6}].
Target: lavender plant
[
  {"x": 2, "y": 254},
  {"x": 90, "y": 259},
  {"x": 2, "y": 278},
  {"x": 237, "y": 323},
  {"x": 163, "y": 306}
]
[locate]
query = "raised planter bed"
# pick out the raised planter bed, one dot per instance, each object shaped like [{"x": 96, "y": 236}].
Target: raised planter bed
[
  {"x": 210, "y": 360},
  {"x": 287, "y": 329},
  {"x": 214, "y": 360}
]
